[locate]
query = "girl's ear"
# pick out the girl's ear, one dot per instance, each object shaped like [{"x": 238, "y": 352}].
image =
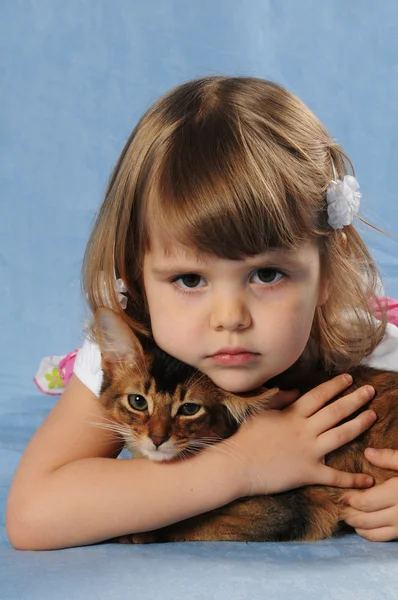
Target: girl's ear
[
  {"x": 324, "y": 290},
  {"x": 241, "y": 407},
  {"x": 117, "y": 342}
]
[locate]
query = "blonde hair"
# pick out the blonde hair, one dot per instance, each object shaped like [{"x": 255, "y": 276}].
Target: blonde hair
[{"x": 233, "y": 166}]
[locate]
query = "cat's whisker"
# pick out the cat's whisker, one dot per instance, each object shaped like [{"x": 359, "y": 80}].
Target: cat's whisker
[
  {"x": 185, "y": 453},
  {"x": 238, "y": 455},
  {"x": 131, "y": 444},
  {"x": 228, "y": 442},
  {"x": 211, "y": 440},
  {"x": 140, "y": 368},
  {"x": 109, "y": 426},
  {"x": 115, "y": 433},
  {"x": 202, "y": 443},
  {"x": 199, "y": 445},
  {"x": 233, "y": 450},
  {"x": 104, "y": 418},
  {"x": 232, "y": 455},
  {"x": 118, "y": 430},
  {"x": 112, "y": 437},
  {"x": 197, "y": 378}
]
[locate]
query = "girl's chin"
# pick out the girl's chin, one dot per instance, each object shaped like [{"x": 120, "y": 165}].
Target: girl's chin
[{"x": 236, "y": 383}]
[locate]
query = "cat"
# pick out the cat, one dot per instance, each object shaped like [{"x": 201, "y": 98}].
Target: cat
[{"x": 166, "y": 410}]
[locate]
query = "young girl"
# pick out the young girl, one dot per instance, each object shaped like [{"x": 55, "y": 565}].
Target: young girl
[{"x": 229, "y": 222}]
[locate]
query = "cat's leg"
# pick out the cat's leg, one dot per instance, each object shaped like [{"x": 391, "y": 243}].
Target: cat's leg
[
  {"x": 208, "y": 527},
  {"x": 326, "y": 510},
  {"x": 308, "y": 514}
]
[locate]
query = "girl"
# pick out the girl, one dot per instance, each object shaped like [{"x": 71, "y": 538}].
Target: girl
[{"x": 229, "y": 223}]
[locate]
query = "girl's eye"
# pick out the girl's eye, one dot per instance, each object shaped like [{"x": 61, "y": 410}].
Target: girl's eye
[
  {"x": 189, "y": 409},
  {"x": 267, "y": 275},
  {"x": 190, "y": 281},
  {"x": 137, "y": 401}
]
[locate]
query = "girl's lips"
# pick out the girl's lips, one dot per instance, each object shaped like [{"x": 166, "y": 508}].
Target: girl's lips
[{"x": 235, "y": 359}]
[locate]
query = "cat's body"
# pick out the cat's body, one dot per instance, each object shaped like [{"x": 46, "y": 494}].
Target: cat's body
[{"x": 155, "y": 398}]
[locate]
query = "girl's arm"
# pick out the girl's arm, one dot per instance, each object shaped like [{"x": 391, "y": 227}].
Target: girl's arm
[{"x": 68, "y": 489}]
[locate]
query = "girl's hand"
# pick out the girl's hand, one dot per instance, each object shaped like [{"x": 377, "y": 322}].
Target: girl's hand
[
  {"x": 284, "y": 449},
  {"x": 374, "y": 513}
]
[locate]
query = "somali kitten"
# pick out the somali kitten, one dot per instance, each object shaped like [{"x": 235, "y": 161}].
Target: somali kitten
[{"x": 167, "y": 410}]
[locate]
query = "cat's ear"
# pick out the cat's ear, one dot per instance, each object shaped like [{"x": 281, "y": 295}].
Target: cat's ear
[
  {"x": 116, "y": 340},
  {"x": 242, "y": 406}
]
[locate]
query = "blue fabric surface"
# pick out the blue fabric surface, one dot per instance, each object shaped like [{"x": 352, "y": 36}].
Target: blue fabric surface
[
  {"x": 224, "y": 571},
  {"x": 76, "y": 76}
]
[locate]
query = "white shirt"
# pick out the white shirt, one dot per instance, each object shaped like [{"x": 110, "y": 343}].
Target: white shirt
[{"x": 88, "y": 360}]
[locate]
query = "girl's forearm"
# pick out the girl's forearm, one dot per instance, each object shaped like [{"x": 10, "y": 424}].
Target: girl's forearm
[{"x": 94, "y": 499}]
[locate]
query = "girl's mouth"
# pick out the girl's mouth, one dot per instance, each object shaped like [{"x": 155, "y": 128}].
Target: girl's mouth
[{"x": 229, "y": 359}]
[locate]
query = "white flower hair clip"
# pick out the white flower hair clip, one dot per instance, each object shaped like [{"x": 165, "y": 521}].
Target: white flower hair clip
[
  {"x": 343, "y": 198},
  {"x": 119, "y": 288}
]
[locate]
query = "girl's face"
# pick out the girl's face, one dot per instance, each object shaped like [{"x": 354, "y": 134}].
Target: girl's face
[{"x": 241, "y": 322}]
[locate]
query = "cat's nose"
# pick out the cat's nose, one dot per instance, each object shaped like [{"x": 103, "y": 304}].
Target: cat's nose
[{"x": 158, "y": 440}]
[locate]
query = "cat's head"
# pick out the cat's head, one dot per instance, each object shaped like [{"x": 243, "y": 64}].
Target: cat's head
[{"x": 164, "y": 408}]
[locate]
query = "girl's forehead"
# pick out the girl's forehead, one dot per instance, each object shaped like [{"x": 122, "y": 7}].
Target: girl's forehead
[
  {"x": 164, "y": 251},
  {"x": 164, "y": 245}
]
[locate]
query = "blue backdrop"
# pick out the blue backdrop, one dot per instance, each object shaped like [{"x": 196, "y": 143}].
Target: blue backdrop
[{"x": 76, "y": 76}]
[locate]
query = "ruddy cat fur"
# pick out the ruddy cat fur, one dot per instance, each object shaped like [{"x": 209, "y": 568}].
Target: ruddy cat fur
[{"x": 166, "y": 410}]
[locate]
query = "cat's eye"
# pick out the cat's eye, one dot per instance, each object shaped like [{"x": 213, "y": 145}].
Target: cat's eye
[
  {"x": 189, "y": 409},
  {"x": 137, "y": 401}
]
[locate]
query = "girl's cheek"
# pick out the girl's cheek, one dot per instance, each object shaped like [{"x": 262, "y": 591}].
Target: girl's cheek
[{"x": 296, "y": 317}]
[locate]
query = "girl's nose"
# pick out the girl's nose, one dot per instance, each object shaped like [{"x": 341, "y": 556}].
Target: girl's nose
[{"x": 229, "y": 314}]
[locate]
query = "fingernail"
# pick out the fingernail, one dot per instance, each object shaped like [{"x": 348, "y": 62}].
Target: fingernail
[
  {"x": 371, "y": 451},
  {"x": 369, "y": 481},
  {"x": 347, "y": 378},
  {"x": 370, "y": 391}
]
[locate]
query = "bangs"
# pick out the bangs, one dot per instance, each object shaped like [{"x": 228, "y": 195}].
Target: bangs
[{"x": 229, "y": 194}]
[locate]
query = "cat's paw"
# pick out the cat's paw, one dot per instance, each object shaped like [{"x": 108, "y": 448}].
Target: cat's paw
[{"x": 146, "y": 537}]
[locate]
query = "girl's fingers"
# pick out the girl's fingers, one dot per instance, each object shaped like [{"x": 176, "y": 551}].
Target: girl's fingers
[
  {"x": 381, "y": 518},
  {"x": 314, "y": 400},
  {"x": 387, "y": 458},
  {"x": 338, "y": 436},
  {"x": 383, "y": 534},
  {"x": 340, "y": 409},
  {"x": 345, "y": 480},
  {"x": 378, "y": 498}
]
